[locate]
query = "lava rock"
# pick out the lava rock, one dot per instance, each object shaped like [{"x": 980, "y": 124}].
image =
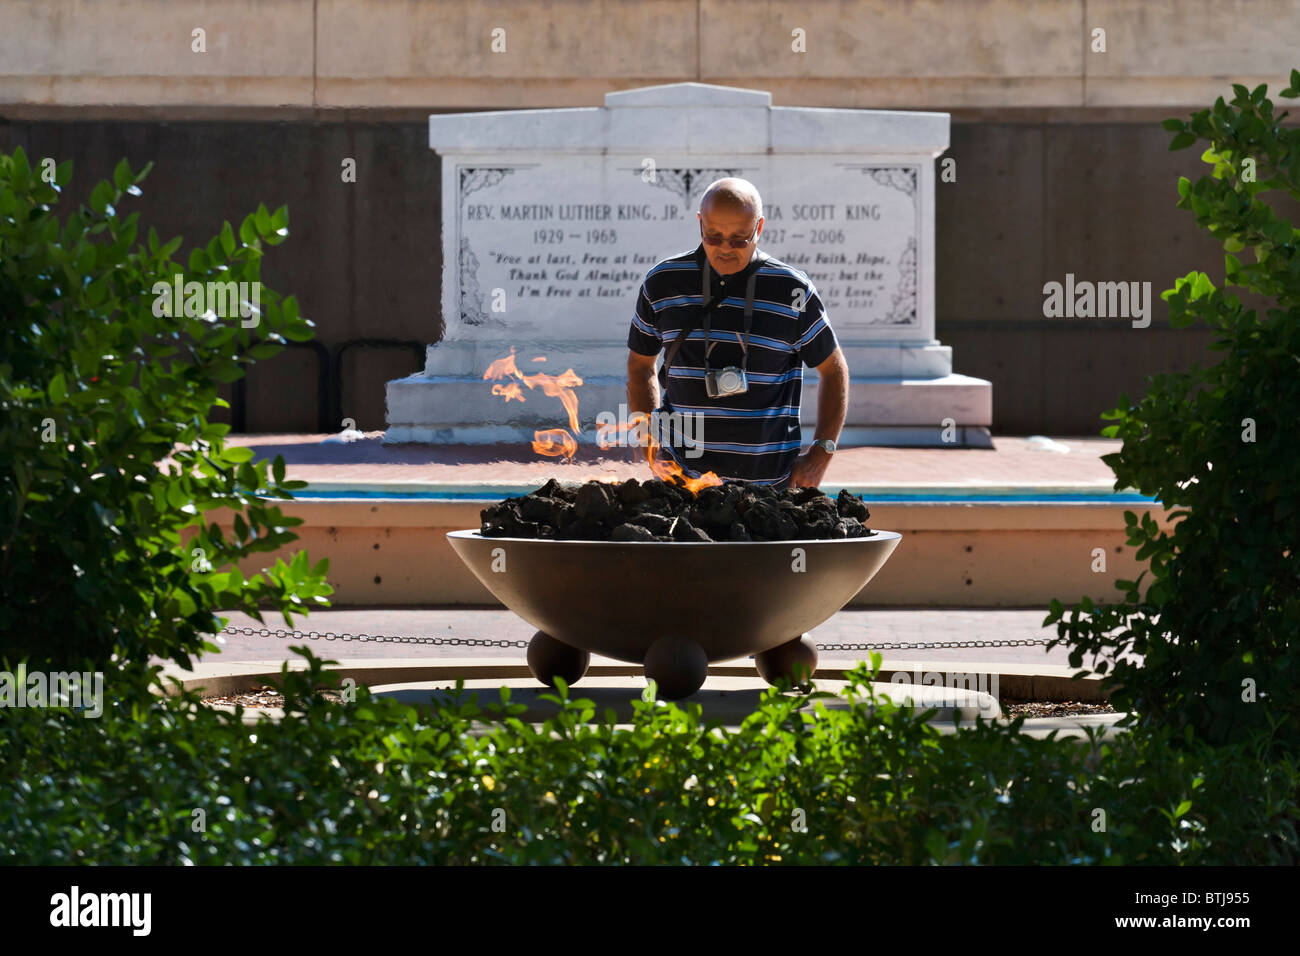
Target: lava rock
[
  {"x": 630, "y": 532},
  {"x": 763, "y": 520},
  {"x": 658, "y": 505},
  {"x": 717, "y": 506},
  {"x": 595, "y": 501},
  {"x": 802, "y": 496},
  {"x": 849, "y": 528},
  {"x": 560, "y": 490},
  {"x": 685, "y": 531},
  {"x": 631, "y": 492},
  {"x": 656, "y": 510},
  {"x": 851, "y": 506},
  {"x": 655, "y": 524},
  {"x": 537, "y": 509}
]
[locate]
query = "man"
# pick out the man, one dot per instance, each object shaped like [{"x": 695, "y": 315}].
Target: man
[{"x": 751, "y": 433}]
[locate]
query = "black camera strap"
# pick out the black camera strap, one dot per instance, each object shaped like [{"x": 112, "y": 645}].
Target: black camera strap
[
  {"x": 709, "y": 304},
  {"x": 749, "y": 311}
]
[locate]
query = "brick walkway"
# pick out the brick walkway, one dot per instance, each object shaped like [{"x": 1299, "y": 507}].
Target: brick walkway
[{"x": 1010, "y": 463}]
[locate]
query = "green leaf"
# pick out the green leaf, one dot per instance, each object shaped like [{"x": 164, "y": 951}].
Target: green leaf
[
  {"x": 122, "y": 175},
  {"x": 170, "y": 248},
  {"x": 265, "y": 350},
  {"x": 226, "y": 372},
  {"x": 58, "y": 389},
  {"x": 238, "y": 453},
  {"x": 100, "y": 197},
  {"x": 1182, "y": 141},
  {"x": 299, "y": 332},
  {"x": 177, "y": 496},
  {"x": 227, "y": 238}
]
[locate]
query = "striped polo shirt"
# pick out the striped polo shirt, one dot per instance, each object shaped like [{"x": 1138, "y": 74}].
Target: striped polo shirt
[{"x": 753, "y": 436}]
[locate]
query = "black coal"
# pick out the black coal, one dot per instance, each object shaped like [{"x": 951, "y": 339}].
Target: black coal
[{"x": 661, "y": 511}]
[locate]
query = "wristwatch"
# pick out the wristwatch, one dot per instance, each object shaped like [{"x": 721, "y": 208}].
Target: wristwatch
[{"x": 826, "y": 445}]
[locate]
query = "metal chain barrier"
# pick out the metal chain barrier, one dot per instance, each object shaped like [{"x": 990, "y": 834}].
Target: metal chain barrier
[
  {"x": 924, "y": 645},
  {"x": 364, "y": 638},
  {"x": 476, "y": 642}
]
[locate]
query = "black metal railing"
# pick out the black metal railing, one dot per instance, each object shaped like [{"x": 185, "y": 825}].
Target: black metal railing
[{"x": 329, "y": 379}]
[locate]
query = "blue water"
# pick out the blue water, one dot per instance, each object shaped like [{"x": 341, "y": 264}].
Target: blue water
[{"x": 912, "y": 497}]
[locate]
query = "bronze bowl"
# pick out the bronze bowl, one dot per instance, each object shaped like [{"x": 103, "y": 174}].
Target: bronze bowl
[{"x": 673, "y": 606}]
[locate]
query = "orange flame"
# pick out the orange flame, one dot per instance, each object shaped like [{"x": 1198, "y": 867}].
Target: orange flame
[
  {"x": 561, "y": 387},
  {"x": 509, "y": 391},
  {"x": 638, "y": 429},
  {"x": 559, "y": 443},
  {"x": 545, "y": 441},
  {"x": 503, "y": 367},
  {"x": 554, "y": 443}
]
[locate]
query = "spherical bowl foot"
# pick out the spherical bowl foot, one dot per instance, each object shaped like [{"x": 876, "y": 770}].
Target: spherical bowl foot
[
  {"x": 677, "y": 665},
  {"x": 794, "y": 661},
  {"x": 549, "y": 658}
]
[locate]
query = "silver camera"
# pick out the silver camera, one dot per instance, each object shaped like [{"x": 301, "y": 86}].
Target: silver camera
[{"x": 725, "y": 381}]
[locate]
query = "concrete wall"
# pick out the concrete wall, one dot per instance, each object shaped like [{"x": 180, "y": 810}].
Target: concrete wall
[
  {"x": 1032, "y": 201},
  {"x": 1061, "y": 164},
  {"x": 342, "y": 54}
]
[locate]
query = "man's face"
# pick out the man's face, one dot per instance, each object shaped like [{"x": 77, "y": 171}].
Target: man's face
[{"x": 729, "y": 224}]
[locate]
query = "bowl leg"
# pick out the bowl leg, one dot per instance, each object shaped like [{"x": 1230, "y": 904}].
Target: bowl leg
[
  {"x": 794, "y": 661},
  {"x": 677, "y": 665},
  {"x": 549, "y": 658}
]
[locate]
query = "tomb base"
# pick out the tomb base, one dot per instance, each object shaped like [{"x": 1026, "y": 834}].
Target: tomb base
[{"x": 891, "y": 399}]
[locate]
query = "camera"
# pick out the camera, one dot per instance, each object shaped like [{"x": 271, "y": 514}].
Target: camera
[{"x": 725, "y": 381}]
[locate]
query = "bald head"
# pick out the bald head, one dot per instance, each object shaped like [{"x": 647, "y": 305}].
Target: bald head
[
  {"x": 730, "y": 212},
  {"x": 732, "y": 196}
]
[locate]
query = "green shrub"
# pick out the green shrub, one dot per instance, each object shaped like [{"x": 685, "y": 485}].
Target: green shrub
[
  {"x": 376, "y": 782},
  {"x": 1220, "y": 616},
  {"x": 107, "y": 458},
  {"x": 1200, "y": 780}
]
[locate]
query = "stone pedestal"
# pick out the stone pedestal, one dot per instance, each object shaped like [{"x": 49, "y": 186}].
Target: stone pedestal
[{"x": 551, "y": 219}]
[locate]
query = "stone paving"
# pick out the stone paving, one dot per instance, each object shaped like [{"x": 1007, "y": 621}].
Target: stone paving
[{"x": 1012, "y": 462}]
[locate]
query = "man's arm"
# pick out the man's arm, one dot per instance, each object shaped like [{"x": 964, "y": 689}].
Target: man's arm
[
  {"x": 832, "y": 397},
  {"x": 832, "y": 408},
  {"x": 642, "y": 385}
]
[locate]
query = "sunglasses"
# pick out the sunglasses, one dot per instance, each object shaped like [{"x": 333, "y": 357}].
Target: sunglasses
[{"x": 734, "y": 243}]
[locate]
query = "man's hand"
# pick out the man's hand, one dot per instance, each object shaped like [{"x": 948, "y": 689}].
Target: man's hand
[{"x": 809, "y": 468}]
